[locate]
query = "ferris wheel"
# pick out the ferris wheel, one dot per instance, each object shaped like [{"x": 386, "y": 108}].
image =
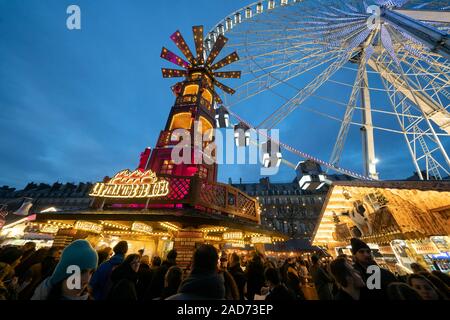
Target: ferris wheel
[{"x": 389, "y": 60}]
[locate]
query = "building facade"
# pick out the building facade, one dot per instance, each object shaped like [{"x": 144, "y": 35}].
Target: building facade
[
  {"x": 65, "y": 197},
  {"x": 286, "y": 208}
]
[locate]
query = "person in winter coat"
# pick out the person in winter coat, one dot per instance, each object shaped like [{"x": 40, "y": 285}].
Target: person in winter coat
[
  {"x": 204, "y": 281},
  {"x": 399, "y": 291},
  {"x": 348, "y": 279},
  {"x": 238, "y": 274},
  {"x": 255, "y": 276},
  {"x": 425, "y": 287},
  {"x": 172, "y": 282},
  {"x": 9, "y": 260},
  {"x": 322, "y": 280},
  {"x": 157, "y": 285},
  {"x": 58, "y": 286},
  {"x": 293, "y": 280},
  {"x": 104, "y": 254},
  {"x": 124, "y": 279},
  {"x": 362, "y": 257},
  {"x": 277, "y": 290},
  {"x": 100, "y": 284},
  {"x": 38, "y": 272},
  {"x": 25, "y": 265}
]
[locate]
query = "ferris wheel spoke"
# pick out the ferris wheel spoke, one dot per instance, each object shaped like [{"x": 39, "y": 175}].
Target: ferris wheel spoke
[
  {"x": 279, "y": 43},
  {"x": 343, "y": 131},
  {"x": 281, "y": 113},
  {"x": 271, "y": 80},
  {"x": 420, "y": 128},
  {"x": 385, "y": 67}
]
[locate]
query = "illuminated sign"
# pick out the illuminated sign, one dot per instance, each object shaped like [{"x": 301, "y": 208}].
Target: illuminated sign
[
  {"x": 261, "y": 240},
  {"x": 233, "y": 235},
  {"x": 88, "y": 226},
  {"x": 141, "y": 227},
  {"x": 425, "y": 248},
  {"x": 127, "y": 184},
  {"x": 48, "y": 228}
]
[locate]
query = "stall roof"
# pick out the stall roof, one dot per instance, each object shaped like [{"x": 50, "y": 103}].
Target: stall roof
[
  {"x": 410, "y": 203},
  {"x": 185, "y": 217}
]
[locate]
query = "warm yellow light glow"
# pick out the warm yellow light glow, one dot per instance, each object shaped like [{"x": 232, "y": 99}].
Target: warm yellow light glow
[
  {"x": 128, "y": 187},
  {"x": 262, "y": 239},
  {"x": 207, "y": 95},
  {"x": 206, "y": 127},
  {"x": 141, "y": 227},
  {"x": 233, "y": 235},
  {"x": 181, "y": 120},
  {"x": 88, "y": 226},
  {"x": 51, "y": 209},
  {"x": 191, "y": 89},
  {"x": 169, "y": 226}
]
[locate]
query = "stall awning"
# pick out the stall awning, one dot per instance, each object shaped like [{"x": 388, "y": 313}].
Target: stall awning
[{"x": 382, "y": 209}]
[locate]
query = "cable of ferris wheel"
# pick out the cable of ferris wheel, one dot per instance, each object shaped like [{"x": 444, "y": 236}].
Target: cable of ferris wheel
[
  {"x": 287, "y": 108},
  {"x": 357, "y": 32},
  {"x": 303, "y": 154},
  {"x": 378, "y": 89}
]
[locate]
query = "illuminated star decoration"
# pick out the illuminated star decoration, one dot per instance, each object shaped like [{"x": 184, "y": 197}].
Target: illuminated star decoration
[{"x": 199, "y": 62}]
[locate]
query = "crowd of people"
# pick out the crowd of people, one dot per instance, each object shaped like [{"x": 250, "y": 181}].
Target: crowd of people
[{"x": 113, "y": 274}]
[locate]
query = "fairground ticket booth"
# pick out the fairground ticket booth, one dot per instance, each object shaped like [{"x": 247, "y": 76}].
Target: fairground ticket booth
[{"x": 402, "y": 222}]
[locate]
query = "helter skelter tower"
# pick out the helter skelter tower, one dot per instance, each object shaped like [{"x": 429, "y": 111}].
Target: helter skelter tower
[{"x": 194, "y": 108}]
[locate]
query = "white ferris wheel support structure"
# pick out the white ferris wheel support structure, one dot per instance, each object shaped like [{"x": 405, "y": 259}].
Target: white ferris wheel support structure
[{"x": 407, "y": 45}]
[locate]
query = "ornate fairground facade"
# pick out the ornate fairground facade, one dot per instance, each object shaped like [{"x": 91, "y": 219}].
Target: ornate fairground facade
[{"x": 163, "y": 205}]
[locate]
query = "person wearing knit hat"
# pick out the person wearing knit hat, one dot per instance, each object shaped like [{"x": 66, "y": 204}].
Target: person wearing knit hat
[
  {"x": 362, "y": 257},
  {"x": 358, "y": 245},
  {"x": 79, "y": 254}
]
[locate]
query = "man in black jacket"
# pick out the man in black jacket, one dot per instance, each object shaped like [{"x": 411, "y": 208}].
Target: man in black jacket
[
  {"x": 322, "y": 280},
  {"x": 363, "y": 259}
]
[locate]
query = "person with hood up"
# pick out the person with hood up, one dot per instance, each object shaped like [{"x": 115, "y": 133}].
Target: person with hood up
[
  {"x": 204, "y": 282},
  {"x": 100, "y": 284},
  {"x": 80, "y": 254}
]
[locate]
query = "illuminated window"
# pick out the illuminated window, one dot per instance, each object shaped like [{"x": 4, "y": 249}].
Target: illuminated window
[
  {"x": 181, "y": 120},
  {"x": 203, "y": 172},
  {"x": 206, "y": 125},
  {"x": 207, "y": 95},
  {"x": 167, "y": 167},
  {"x": 191, "y": 89}
]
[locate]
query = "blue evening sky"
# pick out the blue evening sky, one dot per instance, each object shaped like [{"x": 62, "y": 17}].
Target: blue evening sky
[{"x": 79, "y": 105}]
